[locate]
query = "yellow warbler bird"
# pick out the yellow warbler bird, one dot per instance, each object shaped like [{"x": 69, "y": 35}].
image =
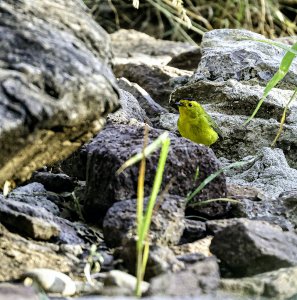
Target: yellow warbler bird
[{"x": 195, "y": 124}]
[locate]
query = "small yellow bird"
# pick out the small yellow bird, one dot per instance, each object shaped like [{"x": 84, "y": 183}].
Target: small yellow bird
[{"x": 195, "y": 124}]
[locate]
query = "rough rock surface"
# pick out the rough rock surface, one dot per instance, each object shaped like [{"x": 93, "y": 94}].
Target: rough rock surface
[
  {"x": 18, "y": 255},
  {"x": 253, "y": 247},
  {"x": 269, "y": 172},
  {"x": 161, "y": 259},
  {"x": 289, "y": 199},
  {"x": 202, "y": 277},
  {"x": 55, "y": 84},
  {"x": 116, "y": 144},
  {"x": 231, "y": 89},
  {"x": 135, "y": 46},
  {"x": 240, "y": 57},
  {"x": 280, "y": 284},
  {"x": 158, "y": 81},
  {"x": 130, "y": 111},
  {"x": 167, "y": 222}
]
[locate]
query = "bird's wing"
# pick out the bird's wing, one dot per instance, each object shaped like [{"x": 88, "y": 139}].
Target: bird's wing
[{"x": 214, "y": 125}]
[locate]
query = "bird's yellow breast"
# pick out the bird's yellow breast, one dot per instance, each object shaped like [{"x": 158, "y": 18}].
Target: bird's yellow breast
[{"x": 196, "y": 129}]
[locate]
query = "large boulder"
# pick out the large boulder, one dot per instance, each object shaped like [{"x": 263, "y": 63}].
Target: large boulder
[
  {"x": 55, "y": 83},
  {"x": 117, "y": 143}
]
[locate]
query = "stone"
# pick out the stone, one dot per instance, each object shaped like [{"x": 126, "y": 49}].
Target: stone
[
  {"x": 161, "y": 259},
  {"x": 200, "y": 278},
  {"x": 289, "y": 200},
  {"x": 53, "y": 182},
  {"x": 123, "y": 280},
  {"x": 241, "y": 58},
  {"x": 158, "y": 81},
  {"x": 56, "y": 85},
  {"x": 269, "y": 172},
  {"x": 134, "y": 46},
  {"x": 279, "y": 284},
  {"x": 116, "y": 144},
  {"x": 130, "y": 110},
  {"x": 34, "y": 212},
  {"x": 166, "y": 227},
  {"x": 168, "y": 121},
  {"x": 252, "y": 247},
  {"x": 18, "y": 255},
  {"x": 187, "y": 60},
  {"x": 200, "y": 246},
  {"x": 194, "y": 230},
  {"x": 51, "y": 281},
  {"x": 146, "y": 102}
]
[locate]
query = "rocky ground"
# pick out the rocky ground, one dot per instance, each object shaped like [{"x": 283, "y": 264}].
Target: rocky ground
[{"x": 68, "y": 226}]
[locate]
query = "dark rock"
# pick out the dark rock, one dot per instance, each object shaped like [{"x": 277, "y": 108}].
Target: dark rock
[
  {"x": 54, "y": 182},
  {"x": 166, "y": 227},
  {"x": 252, "y": 247},
  {"x": 200, "y": 278},
  {"x": 116, "y": 144},
  {"x": 32, "y": 211},
  {"x": 194, "y": 230},
  {"x": 187, "y": 60},
  {"x": 56, "y": 86}
]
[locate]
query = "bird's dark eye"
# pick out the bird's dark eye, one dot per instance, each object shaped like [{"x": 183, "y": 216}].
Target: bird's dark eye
[{"x": 190, "y": 105}]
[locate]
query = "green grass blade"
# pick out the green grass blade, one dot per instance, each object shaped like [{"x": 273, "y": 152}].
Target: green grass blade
[
  {"x": 155, "y": 189},
  {"x": 211, "y": 177},
  {"x": 278, "y": 76},
  {"x": 147, "y": 151}
]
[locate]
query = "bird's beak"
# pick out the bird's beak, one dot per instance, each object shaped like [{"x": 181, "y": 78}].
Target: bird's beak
[{"x": 178, "y": 104}]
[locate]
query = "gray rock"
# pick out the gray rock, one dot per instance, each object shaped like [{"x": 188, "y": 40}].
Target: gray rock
[
  {"x": 56, "y": 86},
  {"x": 200, "y": 278},
  {"x": 240, "y": 58},
  {"x": 253, "y": 247},
  {"x": 51, "y": 281},
  {"x": 130, "y": 110},
  {"x": 32, "y": 211},
  {"x": 134, "y": 46},
  {"x": 54, "y": 182},
  {"x": 111, "y": 148},
  {"x": 168, "y": 121},
  {"x": 280, "y": 284},
  {"x": 270, "y": 173},
  {"x": 146, "y": 102},
  {"x": 166, "y": 227},
  {"x": 158, "y": 81},
  {"x": 289, "y": 200}
]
